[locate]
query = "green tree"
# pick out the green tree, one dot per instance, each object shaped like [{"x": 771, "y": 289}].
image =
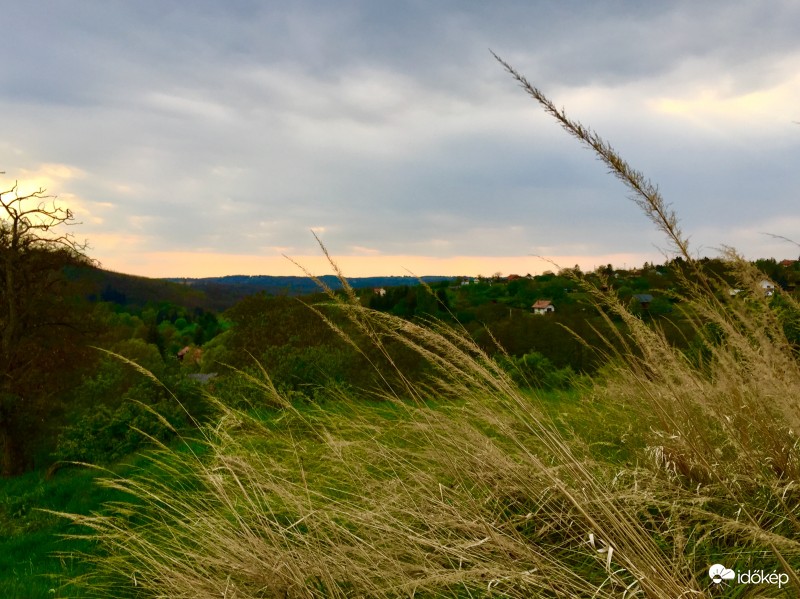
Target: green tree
[
  {"x": 35, "y": 313},
  {"x": 261, "y": 321}
]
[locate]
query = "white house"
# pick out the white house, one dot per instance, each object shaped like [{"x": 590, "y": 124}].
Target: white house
[{"x": 543, "y": 307}]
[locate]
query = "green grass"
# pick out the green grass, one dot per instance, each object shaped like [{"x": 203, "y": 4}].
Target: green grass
[
  {"x": 452, "y": 471},
  {"x": 39, "y": 555},
  {"x": 30, "y": 537}
]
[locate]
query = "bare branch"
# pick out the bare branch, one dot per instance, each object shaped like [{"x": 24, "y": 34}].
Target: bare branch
[{"x": 22, "y": 226}]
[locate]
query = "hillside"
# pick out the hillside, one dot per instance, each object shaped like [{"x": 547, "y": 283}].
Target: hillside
[
  {"x": 225, "y": 291},
  {"x": 212, "y": 293}
]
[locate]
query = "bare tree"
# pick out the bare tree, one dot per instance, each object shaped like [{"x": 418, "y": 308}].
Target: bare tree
[{"x": 34, "y": 249}]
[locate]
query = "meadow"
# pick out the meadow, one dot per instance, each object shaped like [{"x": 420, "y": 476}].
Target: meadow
[{"x": 463, "y": 482}]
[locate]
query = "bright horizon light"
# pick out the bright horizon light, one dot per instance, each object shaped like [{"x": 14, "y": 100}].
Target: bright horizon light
[{"x": 200, "y": 265}]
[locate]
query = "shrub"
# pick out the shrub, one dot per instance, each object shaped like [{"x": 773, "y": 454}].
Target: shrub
[{"x": 535, "y": 370}]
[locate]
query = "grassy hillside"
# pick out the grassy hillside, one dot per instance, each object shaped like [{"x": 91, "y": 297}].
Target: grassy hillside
[
  {"x": 36, "y": 557},
  {"x": 465, "y": 486}
]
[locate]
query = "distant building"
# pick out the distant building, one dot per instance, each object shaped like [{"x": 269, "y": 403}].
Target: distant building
[
  {"x": 190, "y": 355},
  {"x": 543, "y": 307},
  {"x": 379, "y": 291},
  {"x": 644, "y": 300},
  {"x": 202, "y": 378}
]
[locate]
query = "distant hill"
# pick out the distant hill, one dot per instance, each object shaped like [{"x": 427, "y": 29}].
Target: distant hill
[
  {"x": 131, "y": 290},
  {"x": 230, "y": 289},
  {"x": 213, "y": 293}
]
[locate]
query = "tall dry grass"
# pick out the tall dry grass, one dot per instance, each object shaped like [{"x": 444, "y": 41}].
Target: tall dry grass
[
  {"x": 733, "y": 421},
  {"x": 462, "y": 485},
  {"x": 473, "y": 496}
]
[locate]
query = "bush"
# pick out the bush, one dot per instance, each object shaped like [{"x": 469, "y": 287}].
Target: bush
[
  {"x": 117, "y": 411},
  {"x": 535, "y": 370},
  {"x": 105, "y": 434}
]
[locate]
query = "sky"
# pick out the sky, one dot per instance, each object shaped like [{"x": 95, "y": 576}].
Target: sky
[{"x": 210, "y": 138}]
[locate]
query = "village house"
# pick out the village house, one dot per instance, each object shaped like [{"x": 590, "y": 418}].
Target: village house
[
  {"x": 644, "y": 300},
  {"x": 190, "y": 355},
  {"x": 543, "y": 307}
]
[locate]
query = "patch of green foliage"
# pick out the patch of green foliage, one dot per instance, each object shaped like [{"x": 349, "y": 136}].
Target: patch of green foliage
[{"x": 36, "y": 558}]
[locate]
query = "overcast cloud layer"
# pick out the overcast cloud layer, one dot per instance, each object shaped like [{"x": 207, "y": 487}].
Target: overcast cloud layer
[{"x": 180, "y": 131}]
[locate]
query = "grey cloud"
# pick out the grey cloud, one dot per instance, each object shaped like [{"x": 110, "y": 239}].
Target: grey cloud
[{"x": 389, "y": 123}]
